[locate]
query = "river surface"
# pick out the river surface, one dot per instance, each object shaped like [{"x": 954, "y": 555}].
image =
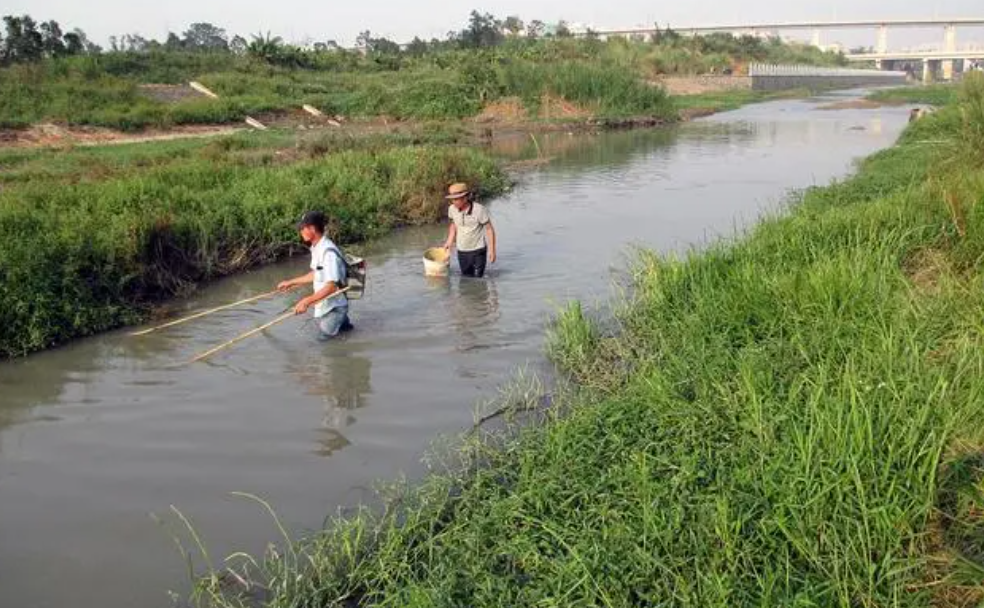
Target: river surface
[{"x": 98, "y": 436}]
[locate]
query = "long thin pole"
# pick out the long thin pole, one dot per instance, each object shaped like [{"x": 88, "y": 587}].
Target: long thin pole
[
  {"x": 265, "y": 326},
  {"x": 253, "y": 332},
  {"x": 205, "y": 313}
]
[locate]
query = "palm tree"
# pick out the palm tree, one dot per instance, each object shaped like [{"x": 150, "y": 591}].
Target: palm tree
[{"x": 266, "y": 47}]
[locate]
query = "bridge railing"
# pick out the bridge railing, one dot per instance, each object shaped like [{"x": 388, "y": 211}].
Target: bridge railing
[{"x": 772, "y": 77}]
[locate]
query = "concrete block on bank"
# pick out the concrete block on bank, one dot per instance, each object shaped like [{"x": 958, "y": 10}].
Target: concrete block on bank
[
  {"x": 781, "y": 77},
  {"x": 202, "y": 89},
  {"x": 255, "y": 123}
]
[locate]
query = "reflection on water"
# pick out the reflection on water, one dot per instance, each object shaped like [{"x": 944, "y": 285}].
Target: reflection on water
[
  {"x": 472, "y": 309},
  {"x": 339, "y": 378},
  {"x": 96, "y": 435}
]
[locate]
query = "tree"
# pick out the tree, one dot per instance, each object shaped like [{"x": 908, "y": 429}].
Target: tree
[
  {"x": 52, "y": 44},
  {"x": 417, "y": 47},
  {"x": 514, "y": 25},
  {"x": 73, "y": 44},
  {"x": 484, "y": 30},
  {"x": 23, "y": 41},
  {"x": 536, "y": 28},
  {"x": 135, "y": 43},
  {"x": 377, "y": 46},
  {"x": 77, "y": 36},
  {"x": 238, "y": 45},
  {"x": 205, "y": 37},
  {"x": 174, "y": 42},
  {"x": 269, "y": 48},
  {"x": 563, "y": 30},
  {"x": 383, "y": 46}
]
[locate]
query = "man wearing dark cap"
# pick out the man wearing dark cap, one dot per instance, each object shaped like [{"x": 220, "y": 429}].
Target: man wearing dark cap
[
  {"x": 470, "y": 231},
  {"x": 328, "y": 274}
]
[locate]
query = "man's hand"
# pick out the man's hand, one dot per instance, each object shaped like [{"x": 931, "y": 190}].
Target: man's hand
[
  {"x": 285, "y": 286},
  {"x": 492, "y": 256},
  {"x": 302, "y": 307}
]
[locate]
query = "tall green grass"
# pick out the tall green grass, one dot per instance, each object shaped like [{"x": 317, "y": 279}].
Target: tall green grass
[
  {"x": 78, "y": 258},
  {"x": 933, "y": 94},
  {"x": 789, "y": 419}
]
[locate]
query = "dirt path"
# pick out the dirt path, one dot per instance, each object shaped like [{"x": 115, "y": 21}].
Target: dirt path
[
  {"x": 699, "y": 85},
  {"x": 51, "y": 135}
]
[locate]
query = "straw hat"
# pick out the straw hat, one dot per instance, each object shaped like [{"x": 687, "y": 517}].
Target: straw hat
[{"x": 456, "y": 191}]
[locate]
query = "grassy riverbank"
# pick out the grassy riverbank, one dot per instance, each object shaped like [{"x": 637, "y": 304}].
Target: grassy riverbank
[
  {"x": 933, "y": 94},
  {"x": 791, "y": 419},
  {"x": 443, "y": 80},
  {"x": 82, "y": 252}
]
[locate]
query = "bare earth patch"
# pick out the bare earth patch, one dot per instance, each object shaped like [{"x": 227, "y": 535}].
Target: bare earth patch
[
  {"x": 169, "y": 93},
  {"x": 699, "y": 85},
  {"x": 508, "y": 110},
  {"x": 52, "y": 135},
  {"x": 553, "y": 107},
  {"x": 926, "y": 268}
]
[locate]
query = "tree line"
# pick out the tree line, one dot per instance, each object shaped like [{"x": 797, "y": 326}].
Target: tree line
[{"x": 25, "y": 40}]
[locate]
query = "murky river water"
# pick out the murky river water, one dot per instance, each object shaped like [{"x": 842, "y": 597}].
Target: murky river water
[{"x": 97, "y": 436}]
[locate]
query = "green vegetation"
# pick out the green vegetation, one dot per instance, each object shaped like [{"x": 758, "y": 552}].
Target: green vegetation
[
  {"x": 99, "y": 163},
  {"x": 81, "y": 256},
  {"x": 791, "y": 419},
  {"x": 934, "y": 94},
  {"x": 442, "y": 79}
]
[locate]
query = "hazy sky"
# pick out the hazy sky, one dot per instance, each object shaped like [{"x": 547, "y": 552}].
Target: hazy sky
[{"x": 302, "y": 20}]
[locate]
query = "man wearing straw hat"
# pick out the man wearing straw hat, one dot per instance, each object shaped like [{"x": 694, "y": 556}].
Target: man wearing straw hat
[
  {"x": 328, "y": 274},
  {"x": 470, "y": 231}
]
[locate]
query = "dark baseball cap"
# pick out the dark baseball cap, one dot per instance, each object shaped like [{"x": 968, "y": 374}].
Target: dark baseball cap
[{"x": 313, "y": 218}]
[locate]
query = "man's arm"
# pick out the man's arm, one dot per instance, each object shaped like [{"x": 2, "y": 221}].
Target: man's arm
[
  {"x": 452, "y": 234},
  {"x": 490, "y": 234},
  {"x": 292, "y": 283},
  {"x": 306, "y": 303}
]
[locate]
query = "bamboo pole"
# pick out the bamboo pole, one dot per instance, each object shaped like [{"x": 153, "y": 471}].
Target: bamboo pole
[
  {"x": 204, "y": 313},
  {"x": 253, "y": 332},
  {"x": 240, "y": 338}
]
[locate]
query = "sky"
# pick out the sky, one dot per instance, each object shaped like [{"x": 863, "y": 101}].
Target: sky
[{"x": 301, "y": 21}]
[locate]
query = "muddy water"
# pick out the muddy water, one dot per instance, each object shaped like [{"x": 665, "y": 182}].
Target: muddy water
[{"x": 96, "y": 437}]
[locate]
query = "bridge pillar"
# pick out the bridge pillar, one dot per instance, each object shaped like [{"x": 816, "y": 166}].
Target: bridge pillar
[
  {"x": 816, "y": 38},
  {"x": 881, "y": 45},
  {"x": 950, "y": 46},
  {"x": 931, "y": 69}
]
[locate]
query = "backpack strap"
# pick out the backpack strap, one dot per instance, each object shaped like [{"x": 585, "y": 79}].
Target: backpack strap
[{"x": 341, "y": 257}]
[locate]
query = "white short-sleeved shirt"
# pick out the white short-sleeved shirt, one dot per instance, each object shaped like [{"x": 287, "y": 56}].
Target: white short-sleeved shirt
[
  {"x": 328, "y": 267},
  {"x": 471, "y": 225}
]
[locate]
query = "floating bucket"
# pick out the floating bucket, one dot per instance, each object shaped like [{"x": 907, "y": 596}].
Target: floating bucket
[{"x": 437, "y": 261}]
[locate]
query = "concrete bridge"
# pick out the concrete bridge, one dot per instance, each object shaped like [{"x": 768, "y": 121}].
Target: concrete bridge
[{"x": 943, "y": 61}]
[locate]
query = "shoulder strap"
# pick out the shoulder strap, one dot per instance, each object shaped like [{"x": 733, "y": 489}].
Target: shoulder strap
[{"x": 341, "y": 256}]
